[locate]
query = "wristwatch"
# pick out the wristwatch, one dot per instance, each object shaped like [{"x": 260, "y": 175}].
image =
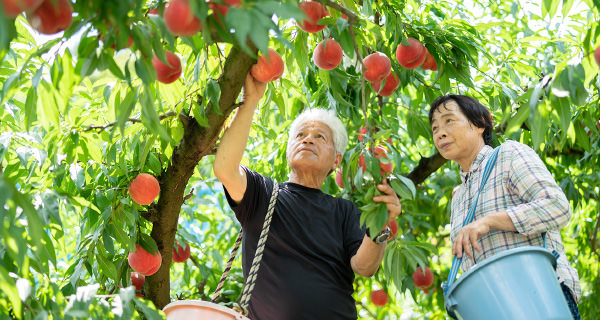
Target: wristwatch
[{"x": 383, "y": 236}]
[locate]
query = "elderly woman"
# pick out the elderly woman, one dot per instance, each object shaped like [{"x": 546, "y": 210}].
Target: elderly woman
[
  {"x": 520, "y": 202},
  {"x": 315, "y": 243}
]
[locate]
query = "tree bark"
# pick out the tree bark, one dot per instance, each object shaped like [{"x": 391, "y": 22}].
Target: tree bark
[
  {"x": 426, "y": 167},
  {"x": 196, "y": 143}
]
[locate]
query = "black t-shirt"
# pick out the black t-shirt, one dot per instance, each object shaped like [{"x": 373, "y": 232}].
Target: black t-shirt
[{"x": 305, "y": 271}]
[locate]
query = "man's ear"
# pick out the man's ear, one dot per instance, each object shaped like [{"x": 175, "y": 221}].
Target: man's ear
[{"x": 338, "y": 160}]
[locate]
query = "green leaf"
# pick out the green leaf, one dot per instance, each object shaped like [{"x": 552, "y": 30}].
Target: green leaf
[
  {"x": 404, "y": 187},
  {"x": 150, "y": 117},
  {"x": 9, "y": 288},
  {"x": 107, "y": 266},
  {"x": 148, "y": 309},
  {"x": 145, "y": 71}
]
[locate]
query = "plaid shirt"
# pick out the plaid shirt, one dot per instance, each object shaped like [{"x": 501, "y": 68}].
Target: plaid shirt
[{"x": 521, "y": 185}]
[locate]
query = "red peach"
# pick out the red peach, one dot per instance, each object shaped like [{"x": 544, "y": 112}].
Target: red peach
[
  {"x": 268, "y": 69},
  {"x": 180, "y": 20},
  {"x": 144, "y": 262},
  {"x": 144, "y": 189},
  {"x": 167, "y": 73},
  {"x": 52, "y": 16},
  {"x": 411, "y": 56},
  {"x": 377, "y": 66},
  {"x": 328, "y": 54},
  {"x": 314, "y": 11}
]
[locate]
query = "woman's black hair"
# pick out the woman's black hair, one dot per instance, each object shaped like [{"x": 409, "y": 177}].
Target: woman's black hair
[{"x": 476, "y": 113}]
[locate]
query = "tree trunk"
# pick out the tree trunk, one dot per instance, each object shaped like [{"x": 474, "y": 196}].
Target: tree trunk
[{"x": 196, "y": 143}]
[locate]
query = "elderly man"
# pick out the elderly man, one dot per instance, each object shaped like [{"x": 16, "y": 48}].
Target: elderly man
[
  {"x": 315, "y": 243},
  {"x": 520, "y": 203}
]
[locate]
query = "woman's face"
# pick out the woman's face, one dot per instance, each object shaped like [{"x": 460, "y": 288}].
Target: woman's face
[{"x": 454, "y": 136}]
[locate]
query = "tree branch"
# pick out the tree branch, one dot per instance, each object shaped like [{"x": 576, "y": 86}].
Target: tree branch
[
  {"x": 101, "y": 128},
  {"x": 426, "y": 167},
  {"x": 352, "y": 17}
]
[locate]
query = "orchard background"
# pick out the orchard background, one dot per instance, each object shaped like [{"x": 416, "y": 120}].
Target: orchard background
[{"x": 82, "y": 115}]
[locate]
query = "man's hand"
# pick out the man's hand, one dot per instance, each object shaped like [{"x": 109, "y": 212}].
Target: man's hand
[
  {"x": 467, "y": 237},
  {"x": 253, "y": 90},
  {"x": 390, "y": 198}
]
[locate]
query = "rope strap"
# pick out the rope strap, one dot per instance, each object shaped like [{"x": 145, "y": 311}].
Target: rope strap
[
  {"x": 249, "y": 286},
  {"x": 456, "y": 262},
  {"x": 234, "y": 251},
  {"x": 242, "y": 307}
]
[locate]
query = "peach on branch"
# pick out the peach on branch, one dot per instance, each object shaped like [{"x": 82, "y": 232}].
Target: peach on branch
[
  {"x": 429, "y": 63},
  {"x": 380, "y": 153},
  {"x": 12, "y": 8},
  {"x": 328, "y": 54},
  {"x": 144, "y": 189},
  {"x": 391, "y": 84},
  {"x": 143, "y": 261},
  {"x": 597, "y": 55},
  {"x": 377, "y": 66},
  {"x": 379, "y": 297},
  {"x": 180, "y": 254},
  {"x": 422, "y": 279},
  {"x": 52, "y": 16},
  {"x": 314, "y": 11},
  {"x": 412, "y": 55},
  {"x": 167, "y": 73},
  {"x": 269, "y": 68},
  {"x": 339, "y": 180},
  {"x": 180, "y": 20}
]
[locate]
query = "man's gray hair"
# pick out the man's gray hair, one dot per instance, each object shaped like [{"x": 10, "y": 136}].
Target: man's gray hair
[{"x": 329, "y": 118}]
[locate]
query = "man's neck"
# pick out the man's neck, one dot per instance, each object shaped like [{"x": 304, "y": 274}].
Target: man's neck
[{"x": 307, "y": 180}]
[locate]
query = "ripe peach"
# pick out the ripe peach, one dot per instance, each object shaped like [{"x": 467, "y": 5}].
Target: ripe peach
[
  {"x": 597, "y": 55},
  {"x": 52, "y": 16},
  {"x": 379, "y": 297},
  {"x": 167, "y": 73},
  {"x": 137, "y": 280},
  {"x": 144, "y": 189},
  {"x": 12, "y": 8},
  {"x": 429, "y": 63},
  {"x": 393, "y": 227},
  {"x": 328, "y": 54},
  {"x": 220, "y": 10},
  {"x": 380, "y": 152},
  {"x": 180, "y": 20},
  {"x": 421, "y": 280},
  {"x": 391, "y": 84},
  {"x": 144, "y": 262},
  {"x": 339, "y": 180},
  {"x": 314, "y": 11},
  {"x": 411, "y": 56},
  {"x": 377, "y": 66},
  {"x": 268, "y": 69},
  {"x": 180, "y": 254},
  {"x": 361, "y": 133}
]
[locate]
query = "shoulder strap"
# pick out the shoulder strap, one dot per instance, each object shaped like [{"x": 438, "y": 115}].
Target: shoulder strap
[
  {"x": 456, "y": 262},
  {"x": 249, "y": 286}
]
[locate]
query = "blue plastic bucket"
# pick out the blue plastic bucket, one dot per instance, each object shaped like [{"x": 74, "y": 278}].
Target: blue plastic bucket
[{"x": 519, "y": 283}]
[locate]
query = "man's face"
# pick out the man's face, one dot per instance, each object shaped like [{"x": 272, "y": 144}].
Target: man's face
[
  {"x": 312, "y": 149},
  {"x": 453, "y": 135}
]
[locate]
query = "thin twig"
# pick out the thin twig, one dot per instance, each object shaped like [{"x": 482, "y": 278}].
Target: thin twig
[
  {"x": 352, "y": 17},
  {"x": 189, "y": 195},
  {"x": 133, "y": 120}
]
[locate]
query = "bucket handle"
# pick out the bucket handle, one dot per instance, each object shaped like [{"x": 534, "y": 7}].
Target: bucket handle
[{"x": 456, "y": 262}]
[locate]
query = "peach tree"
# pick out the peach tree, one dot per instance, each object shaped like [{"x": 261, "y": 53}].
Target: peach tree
[{"x": 95, "y": 93}]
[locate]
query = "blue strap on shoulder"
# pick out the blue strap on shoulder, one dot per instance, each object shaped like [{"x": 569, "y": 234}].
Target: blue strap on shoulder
[{"x": 456, "y": 262}]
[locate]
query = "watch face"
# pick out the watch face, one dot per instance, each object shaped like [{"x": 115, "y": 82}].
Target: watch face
[{"x": 383, "y": 236}]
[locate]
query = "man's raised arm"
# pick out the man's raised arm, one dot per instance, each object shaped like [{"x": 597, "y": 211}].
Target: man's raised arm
[{"x": 233, "y": 143}]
